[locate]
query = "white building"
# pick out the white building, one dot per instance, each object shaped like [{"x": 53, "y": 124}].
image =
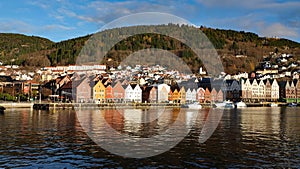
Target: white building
[
  {"x": 133, "y": 94},
  {"x": 274, "y": 90},
  {"x": 163, "y": 92}
]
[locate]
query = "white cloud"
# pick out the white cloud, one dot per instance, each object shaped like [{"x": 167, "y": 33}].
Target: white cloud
[
  {"x": 279, "y": 30},
  {"x": 253, "y": 4},
  {"x": 57, "y": 27},
  {"x": 15, "y": 26}
]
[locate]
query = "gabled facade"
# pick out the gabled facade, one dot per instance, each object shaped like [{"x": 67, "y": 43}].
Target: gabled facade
[
  {"x": 290, "y": 90},
  {"x": 137, "y": 94},
  {"x": 182, "y": 95},
  {"x": 214, "y": 95},
  {"x": 261, "y": 90},
  {"x": 109, "y": 95},
  {"x": 129, "y": 93},
  {"x": 220, "y": 96},
  {"x": 194, "y": 95},
  {"x": 268, "y": 90},
  {"x": 99, "y": 92},
  {"x": 162, "y": 93},
  {"x": 82, "y": 91},
  {"x": 207, "y": 96},
  {"x": 255, "y": 90},
  {"x": 246, "y": 89},
  {"x": 176, "y": 96},
  {"x": 200, "y": 95},
  {"x": 274, "y": 91},
  {"x": 118, "y": 92},
  {"x": 153, "y": 95},
  {"x": 298, "y": 90},
  {"x": 188, "y": 95}
]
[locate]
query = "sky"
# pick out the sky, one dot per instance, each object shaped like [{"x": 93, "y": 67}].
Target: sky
[{"x": 60, "y": 20}]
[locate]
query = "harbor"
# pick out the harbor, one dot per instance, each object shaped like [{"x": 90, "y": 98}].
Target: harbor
[{"x": 54, "y": 106}]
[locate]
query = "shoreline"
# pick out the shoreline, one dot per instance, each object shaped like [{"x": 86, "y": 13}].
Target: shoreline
[{"x": 48, "y": 106}]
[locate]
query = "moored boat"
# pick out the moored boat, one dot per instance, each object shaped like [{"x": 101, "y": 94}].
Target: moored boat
[
  {"x": 273, "y": 105},
  {"x": 194, "y": 106},
  {"x": 225, "y": 104},
  {"x": 292, "y": 105},
  {"x": 240, "y": 104},
  {"x": 2, "y": 109}
]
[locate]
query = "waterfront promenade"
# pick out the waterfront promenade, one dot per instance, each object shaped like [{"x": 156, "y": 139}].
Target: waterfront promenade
[{"x": 51, "y": 106}]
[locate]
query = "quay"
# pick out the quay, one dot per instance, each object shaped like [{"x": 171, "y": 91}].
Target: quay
[
  {"x": 51, "y": 106},
  {"x": 10, "y": 105}
]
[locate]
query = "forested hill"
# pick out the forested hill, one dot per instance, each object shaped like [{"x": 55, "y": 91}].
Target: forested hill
[
  {"x": 14, "y": 46},
  {"x": 24, "y": 49}
]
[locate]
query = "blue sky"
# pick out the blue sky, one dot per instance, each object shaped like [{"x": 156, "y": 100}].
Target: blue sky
[{"x": 64, "y": 19}]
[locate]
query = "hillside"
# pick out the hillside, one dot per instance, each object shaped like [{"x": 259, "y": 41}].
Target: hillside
[
  {"x": 14, "y": 46},
  {"x": 229, "y": 43}
]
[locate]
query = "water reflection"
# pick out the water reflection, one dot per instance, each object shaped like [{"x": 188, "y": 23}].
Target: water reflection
[
  {"x": 251, "y": 137},
  {"x": 132, "y": 135}
]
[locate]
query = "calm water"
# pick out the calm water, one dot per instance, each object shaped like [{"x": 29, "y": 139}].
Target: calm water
[{"x": 251, "y": 137}]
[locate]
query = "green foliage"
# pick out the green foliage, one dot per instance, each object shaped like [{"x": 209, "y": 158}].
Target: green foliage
[
  {"x": 7, "y": 97},
  {"x": 33, "y": 51},
  {"x": 14, "y": 45}
]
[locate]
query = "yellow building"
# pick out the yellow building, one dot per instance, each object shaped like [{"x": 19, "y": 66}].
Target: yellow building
[
  {"x": 182, "y": 95},
  {"x": 99, "y": 92}
]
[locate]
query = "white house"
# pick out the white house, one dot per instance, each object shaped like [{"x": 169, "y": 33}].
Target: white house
[
  {"x": 162, "y": 92},
  {"x": 255, "y": 89},
  {"x": 191, "y": 95},
  {"x": 261, "y": 90},
  {"x": 128, "y": 93},
  {"x": 246, "y": 89},
  {"x": 133, "y": 94},
  {"x": 274, "y": 90},
  {"x": 137, "y": 94},
  {"x": 188, "y": 95},
  {"x": 194, "y": 95}
]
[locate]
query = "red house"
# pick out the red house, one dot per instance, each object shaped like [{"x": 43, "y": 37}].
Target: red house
[
  {"x": 118, "y": 92},
  {"x": 153, "y": 95},
  {"x": 200, "y": 94},
  {"x": 214, "y": 95},
  {"x": 207, "y": 96},
  {"x": 109, "y": 96},
  {"x": 220, "y": 96}
]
